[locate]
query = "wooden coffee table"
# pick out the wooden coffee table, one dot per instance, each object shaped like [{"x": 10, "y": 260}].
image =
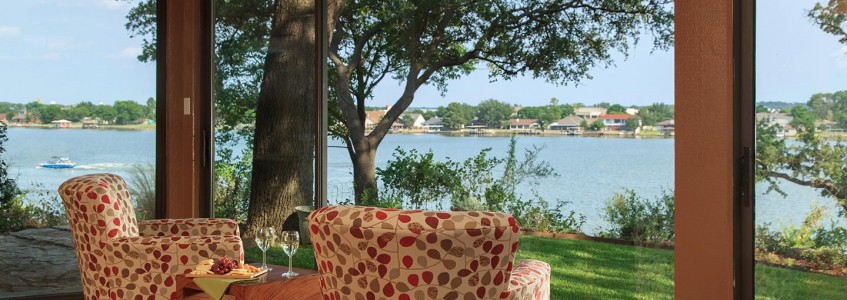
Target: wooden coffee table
[{"x": 306, "y": 286}]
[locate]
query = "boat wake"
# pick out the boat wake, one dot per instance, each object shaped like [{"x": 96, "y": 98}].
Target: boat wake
[{"x": 103, "y": 166}]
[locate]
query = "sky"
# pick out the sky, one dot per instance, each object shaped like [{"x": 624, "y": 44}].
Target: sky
[{"x": 67, "y": 51}]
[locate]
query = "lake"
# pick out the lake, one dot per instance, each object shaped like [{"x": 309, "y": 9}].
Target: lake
[{"x": 591, "y": 169}]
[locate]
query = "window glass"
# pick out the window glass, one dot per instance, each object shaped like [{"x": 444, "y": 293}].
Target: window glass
[
  {"x": 75, "y": 99},
  {"x": 801, "y": 117}
]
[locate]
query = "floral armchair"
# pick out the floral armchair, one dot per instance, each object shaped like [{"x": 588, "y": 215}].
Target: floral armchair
[
  {"x": 373, "y": 253},
  {"x": 120, "y": 258}
]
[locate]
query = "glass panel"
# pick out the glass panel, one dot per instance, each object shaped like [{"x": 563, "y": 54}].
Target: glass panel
[
  {"x": 587, "y": 162},
  {"x": 76, "y": 100},
  {"x": 582, "y": 161},
  {"x": 801, "y": 117}
]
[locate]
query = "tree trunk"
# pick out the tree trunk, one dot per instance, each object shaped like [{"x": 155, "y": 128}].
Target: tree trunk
[
  {"x": 364, "y": 176},
  {"x": 283, "y": 153}
]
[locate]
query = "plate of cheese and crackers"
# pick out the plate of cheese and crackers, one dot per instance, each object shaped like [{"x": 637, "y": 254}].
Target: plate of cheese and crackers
[{"x": 224, "y": 268}]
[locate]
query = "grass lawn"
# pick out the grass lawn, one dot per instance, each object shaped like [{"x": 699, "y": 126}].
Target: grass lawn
[{"x": 592, "y": 270}]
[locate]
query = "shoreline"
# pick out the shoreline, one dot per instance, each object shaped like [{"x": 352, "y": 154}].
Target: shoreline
[{"x": 825, "y": 135}]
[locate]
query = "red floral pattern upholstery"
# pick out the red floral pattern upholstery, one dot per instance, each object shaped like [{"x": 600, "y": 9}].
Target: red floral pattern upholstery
[
  {"x": 119, "y": 261},
  {"x": 373, "y": 253}
]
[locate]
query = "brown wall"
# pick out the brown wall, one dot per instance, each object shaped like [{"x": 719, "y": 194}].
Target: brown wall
[
  {"x": 182, "y": 141},
  {"x": 704, "y": 149}
]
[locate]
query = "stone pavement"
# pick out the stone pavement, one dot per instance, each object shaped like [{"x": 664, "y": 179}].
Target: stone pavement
[{"x": 38, "y": 261}]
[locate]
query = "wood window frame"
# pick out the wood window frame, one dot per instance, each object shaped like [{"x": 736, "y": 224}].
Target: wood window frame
[{"x": 714, "y": 178}]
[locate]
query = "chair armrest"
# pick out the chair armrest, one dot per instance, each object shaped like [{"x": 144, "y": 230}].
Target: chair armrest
[
  {"x": 530, "y": 280},
  {"x": 172, "y": 255},
  {"x": 188, "y": 227}
]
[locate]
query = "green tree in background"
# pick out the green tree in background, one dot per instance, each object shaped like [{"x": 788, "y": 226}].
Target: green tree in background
[
  {"x": 830, "y": 106},
  {"x": 656, "y": 112},
  {"x": 616, "y": 109},
  {"x": 431, "y": 42},
  {"x": 803, "y": 118},
  {"x": 832, "y": 18},
  {"x": 494, "y": 112},
  {"x": 456, "y": 115},
  {"x": 127, "y": 112},
  {"x": 105, "y": 112},
  {"x": 762, "y": 109},
  {"x": 150, "y": 109},
  {"x": 596, "y": 125},
  {"x": 49, "y": 113}
]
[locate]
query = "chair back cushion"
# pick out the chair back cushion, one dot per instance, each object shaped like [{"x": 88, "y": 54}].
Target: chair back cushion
[
  {"x": 99, "y": 209},
  {"x": 374, "y": 253}
]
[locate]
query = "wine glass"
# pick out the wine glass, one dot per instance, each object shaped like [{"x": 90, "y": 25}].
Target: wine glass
[
  {"x": 265, "y": 237},
  {"x": 290, "y": 240}
]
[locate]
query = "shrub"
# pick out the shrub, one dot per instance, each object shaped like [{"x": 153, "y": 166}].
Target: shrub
[
  {"x": 637, "y": 219},
  {"x": 232, "y": 184},
  {"x": 419, "y": 181},
  {"x": 142, "y": 187}
]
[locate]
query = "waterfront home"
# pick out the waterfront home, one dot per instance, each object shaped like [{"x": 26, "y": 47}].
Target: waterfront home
[
  {"x": 61, "y": 123},
  {"x": 372, "y": 118},
  {"x": 524, "y": 124},
  {"x": 19, "y": 118},
  {"x": 417, "y": 120},
  {"x": 631, "y": 111},
  {"x": 568, "y": 123},
  {"x": 615, "y": 121},
  {"x": 827, "y": 125},
  {"x": 781, "y": 119},
  {"x": 589, "y": 113},
  {"x": 89, "y": 123},
  {"x": 433, "y": 124},
  {"x": 665, "y": 125}
]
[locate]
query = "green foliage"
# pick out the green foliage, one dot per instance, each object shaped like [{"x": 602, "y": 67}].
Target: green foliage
[
  {"x": 832, "y": 18},
  {"x": 494, "y": 112},
  {"x": 637, "y": 219},
  {"x": 456, "y": 115},
  {"x": 9, "y": 190},
  {"x": 596, "y": 125},
  {"x": 49, "y": 113},
  {"x": 418, "y": 180},
  {"x": 830, "y": 106},
  {"x": 824, "y": 247},
  {"x": 142, "y": 187},
  {"x": 233, "y": 173},
  {"x": 616, "y": 109},
  {"x": 810, "y": 161},
  {"x": 803, "y": 118},
  {"x": 632, "y": 124},
  {"x": 36, "y": 207},
  {"x": 762, "y": 109},
  {"x": 127, "y": 112},
  {"x": 655, "y": 113}
]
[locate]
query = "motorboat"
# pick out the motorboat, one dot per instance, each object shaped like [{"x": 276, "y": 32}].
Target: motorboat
[{"x": 57, "y": 162}]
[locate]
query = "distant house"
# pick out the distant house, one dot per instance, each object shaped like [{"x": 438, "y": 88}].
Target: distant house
[
  {"x": 61, "y": 123},
  {"x": 589, "y": 113},
  {"x": 417, "y": 120},
  {"x": 615, "y": 121},
  {"x": 89, "y": 123},
  {"x": 632, "y": 111},
  {"x": 523, "y": 124},
  {"x": 19, "y": 118},
  {"x": 477, "y": 124},
  {"x": 781, "y": 119},
  {"x": 567, "y": 123},
  {"x": 433, "y": 124},
  {"x": 372, "y": 118},
  {"x": 827, "y": 125},
  {"x": 665, "y": 125}
]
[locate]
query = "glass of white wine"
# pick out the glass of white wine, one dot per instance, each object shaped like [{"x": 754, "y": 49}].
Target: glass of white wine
[
  {"x": 265, "y": 237},
  {"x": 290, "y": 241}
]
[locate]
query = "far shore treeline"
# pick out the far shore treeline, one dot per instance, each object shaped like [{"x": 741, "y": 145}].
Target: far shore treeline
[{"x": 122, "y": 112}]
